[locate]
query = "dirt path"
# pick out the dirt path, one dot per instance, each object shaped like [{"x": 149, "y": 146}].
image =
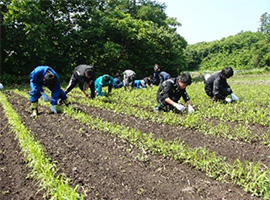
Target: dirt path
[
  {"x": 14, "y": 184},
  {"x": 109, "y": 168}
]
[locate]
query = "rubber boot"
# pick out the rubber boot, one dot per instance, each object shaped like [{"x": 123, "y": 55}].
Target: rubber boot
[{"x": 34, "y": 106}]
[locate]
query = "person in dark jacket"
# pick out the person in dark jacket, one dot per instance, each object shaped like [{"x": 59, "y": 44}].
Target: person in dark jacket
[
  {"x": 102, "y": 81},
  {"x": 156, "y": 75},
  {"x": 147, "y": 81},
  {"x": 216, "y": 86},
  {"x": 163, "y": 76},
  {"x": 171, "y": 90},
  {"x": 84, "y": 75},
  {"x": 45, "y": 76}
]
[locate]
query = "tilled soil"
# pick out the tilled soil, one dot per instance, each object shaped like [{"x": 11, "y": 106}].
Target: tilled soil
[
  {"x": 232, "y": 150},
  {"x": 107, "y": 167},
  {"x": 14, "y": 184}
]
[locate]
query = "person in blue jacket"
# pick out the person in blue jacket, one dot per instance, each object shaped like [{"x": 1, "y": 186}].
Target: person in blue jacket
[
  {"x": 45, "y": 76},
  {"x": 102, "y": 81},
  {"x": 138, "y": 84},
  {"x": 163, "y": 76},
  {"x": 117, "y": 83}
]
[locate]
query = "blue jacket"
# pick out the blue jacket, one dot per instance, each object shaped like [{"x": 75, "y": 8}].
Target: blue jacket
[
  {"x": 99, "y": 83},
  {"x": 117, "y": 83},
  {"x": 139, "y": 84},
  {"x": 36, "y": 84}
]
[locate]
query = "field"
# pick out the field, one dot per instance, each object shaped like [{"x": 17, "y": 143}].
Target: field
[{"x": 116, "y": 147}]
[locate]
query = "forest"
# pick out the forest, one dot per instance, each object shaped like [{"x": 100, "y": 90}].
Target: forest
[{"x": 113, "y": 36}]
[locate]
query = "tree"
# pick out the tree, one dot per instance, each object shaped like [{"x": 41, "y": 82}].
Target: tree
[{"x": 265, "y": 23}]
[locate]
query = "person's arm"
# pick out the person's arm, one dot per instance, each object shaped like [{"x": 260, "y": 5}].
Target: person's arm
[{"x": 170, "y": 101}]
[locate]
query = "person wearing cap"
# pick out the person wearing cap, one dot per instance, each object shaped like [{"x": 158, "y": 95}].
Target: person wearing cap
[
  {"x": 216, "y": 86},
  {"x": 85, "y": 76},
  {"x": 129, "y": 78},
  {"x": 45, "y": 76},
  {"x": 170, "y": 91},
  {"x": 117, "y": 83},
  {"x": 103, "y": 81}
]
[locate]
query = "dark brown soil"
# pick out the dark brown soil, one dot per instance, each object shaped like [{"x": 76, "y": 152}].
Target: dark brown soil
[
  {"x": 107, "y": 167},
  {"x": 14, "y": 183}
]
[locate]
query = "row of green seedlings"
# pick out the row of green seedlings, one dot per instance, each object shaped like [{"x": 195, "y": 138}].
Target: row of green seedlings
[
  {"x": 248, "y": 110},
  {"x": 56, "y": 186},
  {"x": 243, "y": 113},
  {"x": 252, "y": 177},
  {"x": 194, "y": 121}
]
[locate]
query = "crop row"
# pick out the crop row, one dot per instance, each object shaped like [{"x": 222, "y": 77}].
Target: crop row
[
  {"x": 196, "y": 121},
  {"x": 253, "y": 177},
  {"x": 43, "y": 169}
]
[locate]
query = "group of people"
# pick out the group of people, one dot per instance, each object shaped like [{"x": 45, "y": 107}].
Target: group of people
[
  {"x": 169, "y": 92},
  {"x": 172, "y": 89}
]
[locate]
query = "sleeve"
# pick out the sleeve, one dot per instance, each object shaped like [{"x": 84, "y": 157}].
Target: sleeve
[
  {"x": 92, "y": 88},
  {"x": 185, "y": 96},
  {"x": 98, "y": 87},
  {"x": 55, "y": 95}
]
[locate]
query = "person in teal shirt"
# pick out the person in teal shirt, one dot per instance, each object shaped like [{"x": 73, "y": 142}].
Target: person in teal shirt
[{"x": 102, "y": 81}]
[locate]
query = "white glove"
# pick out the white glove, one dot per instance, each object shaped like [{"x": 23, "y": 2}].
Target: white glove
[
  {"x": 179, "y": 107},
  {"x": 234, "y": 97},
  {"x": 44, "y": 97},
  {"x": 190, "y": 108},
  {"x": 228, "y": 100}
]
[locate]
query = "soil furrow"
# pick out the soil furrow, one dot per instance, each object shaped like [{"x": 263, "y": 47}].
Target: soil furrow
[
  {"x": 108, "y": 168},
  {"x": 14, "y": 181},
  {"x": 230, "y": 149}
]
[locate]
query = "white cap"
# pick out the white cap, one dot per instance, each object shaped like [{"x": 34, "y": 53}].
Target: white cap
[{"x": 1, "y": 86}]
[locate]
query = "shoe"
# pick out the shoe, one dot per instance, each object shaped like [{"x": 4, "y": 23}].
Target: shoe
[
  {"x": 35, "y": 113},
  {"x": 157, "y": 108}
]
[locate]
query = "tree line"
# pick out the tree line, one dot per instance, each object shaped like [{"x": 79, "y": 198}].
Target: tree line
[
  {"x": 111, "y": 35},
  {"x": 245, "y": 50}
]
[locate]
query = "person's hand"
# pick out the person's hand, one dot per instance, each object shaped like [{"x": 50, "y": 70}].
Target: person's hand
[
  {"x": 234, "y": 97},
  {"x": 190, "y": 108},
  {"x": 44, "y": 97},
  {"x": 179, "y": 107},
  {"x": 228, "y": 100},
  {"x": 53, "y": 109}
]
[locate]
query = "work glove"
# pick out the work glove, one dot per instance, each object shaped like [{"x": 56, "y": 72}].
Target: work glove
[
  {"x": 53, "y": 109},
  {"x": 44, "y": 97},
  {"x": 228, "y": 100},
  {"x": 179, "y": 107},
  {"x": 234, "y": 97},
  {"x": 190, "y": 108}
]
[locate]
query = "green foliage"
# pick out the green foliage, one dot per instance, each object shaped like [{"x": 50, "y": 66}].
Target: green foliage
[
  {"x": 111, "y": 35},
  {"x": 246, "y": 50},
  {"x": 56, "y": 186}
]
